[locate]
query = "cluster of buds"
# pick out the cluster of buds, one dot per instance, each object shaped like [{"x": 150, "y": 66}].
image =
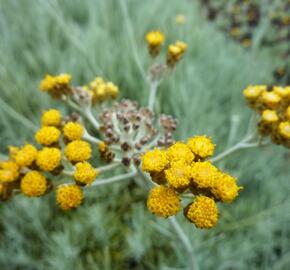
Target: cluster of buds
[
  {"x": 272, "y": 105},
  {"x": 174, "y": 53},
  {"x": 97, "y": 91},
  {"x": 181, "y": 169},
  {"x": 29, "y": 169}
]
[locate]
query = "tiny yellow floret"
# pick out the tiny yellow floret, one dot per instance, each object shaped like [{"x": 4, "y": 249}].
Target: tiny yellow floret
[
  {"x": 225, "y": 188},
  {"x": 48, "y": 159},
  {"x": 178, "y": 175},
  {"x": 155, "y": 38},
  {"x": 270, "y": 99},
  {"x": 202, "y": 212},
  {"x": 284, "y": 130},
  {"x": 180, "y": 152},
  {"x": 73, "y": 131},
  {"x": 163, "y": 201},
  {"x": 201, "y": 146},
  {"x": 47, "y": 136},
  {"x": 269, "y": 116},
  {"x": 26, "y": 155},
  {"x": 51, "y": 117},
  {"x": 203, "y": 174},
  {"x": 154, "y": 161},
  {"x": 78, "y": 151},
  {"x": 9, "y": 171},
  {"x": 69, "y": 196},
  {"x": 85, "y": 173},
  {"x": 33, "y": 184}
]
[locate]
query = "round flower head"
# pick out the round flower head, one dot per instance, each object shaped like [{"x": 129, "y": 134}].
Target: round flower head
[
  {"x": 48, "y": 159},
  {"x": 78, "y": 151},
  {"x": 284, "y": 130},
  {"x": 203, "y": 174},
  {"x": 51, "y": 117},
  {"x": 283, "y": 92},
  {"x": 63, "y": 79},
  {"x": 163, "y": 201},
  {"x": 252, "y": 93},
  {"x": 26, "y": 155},
  {"x": 202, "y": 212},
  {"x": 33, "y": 184},
  {"x": 225, "y": 188},
  {"x": 269, "y": 116},
  {"x": 154, "y": 161},
  {"x": 270, "y": 99},
  {"x": 201, "y": 146},
  {"x": 69, "y": 196},
  {"x": 155, "y": 38},
  {"x": 112, "y": 90},
  {"x": 85, "y": 173},
  {"x": 47, "y": 83},
  {"x": 180, "y": 152},
  {"x": 47, "y": 136},
  {"x": 13, "y": 150},
  {"x": 181, "y": 45},
  {"x": 178, "y": 175},
  {"x": 73, "y": 131},
  {"x": 9, "y": 171}
]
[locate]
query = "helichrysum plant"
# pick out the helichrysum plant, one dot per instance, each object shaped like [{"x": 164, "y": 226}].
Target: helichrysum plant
[{"x": 133, "y": 142}]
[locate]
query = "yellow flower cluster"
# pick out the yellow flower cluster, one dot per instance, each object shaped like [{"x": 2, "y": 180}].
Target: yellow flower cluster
[
  {"x": 174, "y": 53},
  {"x": 56, "y": 86},
  {"x": 100, "y": 90},
  {"x": 273, "y": 107},
  {"x": 27, "y": 167},
  {"x": 69, "y": 196},
  {"x": 183, "y": 168}
]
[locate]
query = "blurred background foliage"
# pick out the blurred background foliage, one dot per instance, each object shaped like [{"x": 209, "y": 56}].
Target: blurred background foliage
[{"x": 113, "y": 229}]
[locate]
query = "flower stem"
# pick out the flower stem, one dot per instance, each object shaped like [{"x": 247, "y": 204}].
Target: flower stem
[
  {"x": 114, "y": 179},
  {"x": 109, "y": 167},
  {"x": 152, "y": 94},
  {"x": 185, "y": 241}
]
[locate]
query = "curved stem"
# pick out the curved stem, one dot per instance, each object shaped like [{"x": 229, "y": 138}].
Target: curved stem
[
  {"x": 109, "y": 167},
  {"x": 88, "y": 113},
  {"x": 184, "y": 240},
  {"x": 114, "y": 179},
  {"x": 90, "y": 138}
]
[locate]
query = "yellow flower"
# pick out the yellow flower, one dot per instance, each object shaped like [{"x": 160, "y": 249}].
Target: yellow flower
[
  {"x": 112, "y": 90},
  {"x": 26, "y": 155},
  {"x": 163, "y": 201},
  {"x": 13, "y": 150},
  {"x": 284, "y": 129},
  {"x": 78, "y": 151},
  {"x": 51, "y": 117},
  {"x": 47, "y": 83},
  {"x": 202, "y": 212},
  {"x": 180, "y": 19},
  {"x": 48, "y": 159},
  {"x": 201, "y": 146},
  {"x": 270, "y": 99},
  {"x": 180, "y": 152},
  {"x": 154, "y": 161},
  {"x": 252, "y": 93},
  {"x": 181, "y": 45},
  {"x": 174, "y": 52},
  {"x": 63, "y": 79},
  {"x": 225, "y": 188},
  {"x": 9, "y": 171},
  {"x": 47, "y": 136},
  {"x": 269, "y": 116},
  {"x": 203, "y": 174},
  {"x": 178, "y": 175},
  {"x": 102, "y": 146},
  {"x": 69, "y": 196},
  {"x": 283, "y": 92},
  {"x": 85, "y": 173},
  {"x": 33, "y": 184},
  {"x": 155, "y": 38},
  {"x": 73, "y": 131}
]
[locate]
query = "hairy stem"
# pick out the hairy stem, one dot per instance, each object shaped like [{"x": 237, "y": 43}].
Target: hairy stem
[
  {"x": 152, "y": 94},
  {"x": 185, "y": 241}
]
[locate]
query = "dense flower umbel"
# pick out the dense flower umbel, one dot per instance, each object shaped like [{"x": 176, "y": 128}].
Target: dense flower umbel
[
  {"x": 56, "y": 86},
  {"x": 51, "y": 117},
  {"x": 272, "y": 107},
  {"x": 182, "y": 168}
]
